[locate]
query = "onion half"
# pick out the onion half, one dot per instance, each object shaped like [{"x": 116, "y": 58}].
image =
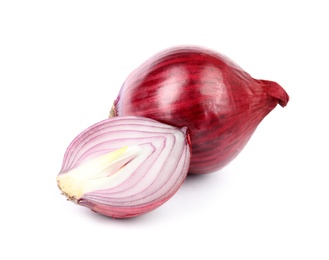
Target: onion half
[
  {"x": 217, "y": 100},
  {"x": 125, "y": 166}
]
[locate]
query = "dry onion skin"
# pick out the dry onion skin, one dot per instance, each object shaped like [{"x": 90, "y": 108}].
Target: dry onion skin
[
  {"x": 125, "y": 166},
  {"x": 218, "y": 101}
]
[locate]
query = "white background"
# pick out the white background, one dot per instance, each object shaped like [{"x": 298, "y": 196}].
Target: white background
[{"x": 62, "y": 64}]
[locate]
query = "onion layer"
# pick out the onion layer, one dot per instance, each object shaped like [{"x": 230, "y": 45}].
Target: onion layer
[
  {"x": 125, "y": 166},
  {"x": 218, "y": 101}
]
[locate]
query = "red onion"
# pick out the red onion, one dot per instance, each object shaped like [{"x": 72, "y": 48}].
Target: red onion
[
  {"x": 191, "y": 86},
  {"x": 125, "y": 166}
]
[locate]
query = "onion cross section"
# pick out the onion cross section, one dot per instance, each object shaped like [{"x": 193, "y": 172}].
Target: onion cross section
[{"x": 125, "y": 166}]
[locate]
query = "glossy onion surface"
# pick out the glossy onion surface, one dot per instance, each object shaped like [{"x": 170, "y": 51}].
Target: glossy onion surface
[
  {"x": 125, "y": 166},
  {"x": 218, "y": 101}
]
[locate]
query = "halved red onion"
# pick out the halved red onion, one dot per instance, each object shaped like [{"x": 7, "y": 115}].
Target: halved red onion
[
  {"x": 219, "y": 102},
  {"x": 125, "y": 166}
]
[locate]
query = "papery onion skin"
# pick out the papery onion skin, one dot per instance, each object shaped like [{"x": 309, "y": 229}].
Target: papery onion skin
[
  {"x": 165, "y": 167},
  {"x": 218, "y": 101}
]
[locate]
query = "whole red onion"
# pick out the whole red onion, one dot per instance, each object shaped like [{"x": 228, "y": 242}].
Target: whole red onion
[{"x": 192, "y": 86}]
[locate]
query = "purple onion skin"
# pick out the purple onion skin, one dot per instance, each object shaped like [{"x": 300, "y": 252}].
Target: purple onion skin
[{"x": 219, "y": 102}]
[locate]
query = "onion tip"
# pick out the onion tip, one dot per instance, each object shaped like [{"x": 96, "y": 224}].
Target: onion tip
[{"x": 274, "y": 90}]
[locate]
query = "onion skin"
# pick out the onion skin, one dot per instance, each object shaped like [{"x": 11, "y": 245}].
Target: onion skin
[
  {"x": 125, "y": 166},
  {"x": 218, "y": 101}
]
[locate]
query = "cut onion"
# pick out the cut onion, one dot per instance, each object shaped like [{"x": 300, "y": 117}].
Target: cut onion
[
  {"x": 219, "y": 102},
  {"x": 125, "y": 166}
]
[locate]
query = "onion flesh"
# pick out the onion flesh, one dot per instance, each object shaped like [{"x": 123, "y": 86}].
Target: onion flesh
[
  {"x": 218, "y": 101},
  {"x": 125, "y": 166}
]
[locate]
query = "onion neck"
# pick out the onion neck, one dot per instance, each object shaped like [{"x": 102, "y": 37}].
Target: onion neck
[{"x": 275, "y": 91}]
